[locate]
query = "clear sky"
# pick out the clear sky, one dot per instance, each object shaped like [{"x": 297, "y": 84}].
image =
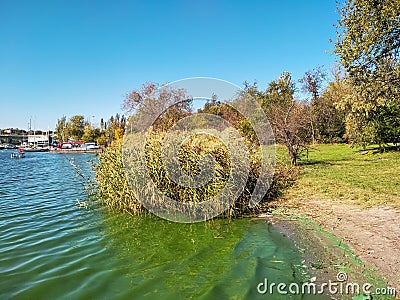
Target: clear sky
[{"x": 81, "y": 57}]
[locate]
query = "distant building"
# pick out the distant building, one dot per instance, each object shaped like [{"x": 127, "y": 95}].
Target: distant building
[{"x": 39, "y": 140}]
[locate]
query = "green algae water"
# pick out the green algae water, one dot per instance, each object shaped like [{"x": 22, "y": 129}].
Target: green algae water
[{"x": 51, "y": 248}]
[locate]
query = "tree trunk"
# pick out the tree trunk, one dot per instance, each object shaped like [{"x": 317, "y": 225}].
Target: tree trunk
[
  {"x": 293, "y": 160},
  {"x": 292, "y": 155},
  {"x": 312, "y": 132}
]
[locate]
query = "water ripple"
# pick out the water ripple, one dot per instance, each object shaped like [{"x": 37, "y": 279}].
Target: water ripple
[{"x": 52, "y": 249}]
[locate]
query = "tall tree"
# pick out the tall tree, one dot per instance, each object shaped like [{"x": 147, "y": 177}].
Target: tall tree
[
  {"x": 76, "y": 127},
  {"x": 312, "y": 84},
  {"x": 368, "y": 44},
  {"x": 61, "y": 130},
  {"x": 102, "y": 127},
  {"x": 328, "y": 119},
  {"x": 368, "y": 40},
  {"x": 152, "y": 98},
  {"x": 90, "y": 134},
  {"x": 290, "y": 119}
]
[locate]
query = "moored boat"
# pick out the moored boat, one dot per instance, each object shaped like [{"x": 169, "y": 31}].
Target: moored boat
[
  {"x": 34, "y": 149},
  {"x": 19, "y": 154}
]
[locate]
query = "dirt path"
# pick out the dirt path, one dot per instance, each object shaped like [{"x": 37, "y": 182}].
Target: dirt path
[{"x": 373, "y": 234}]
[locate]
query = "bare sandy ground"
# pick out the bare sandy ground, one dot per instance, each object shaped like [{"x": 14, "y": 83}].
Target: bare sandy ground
[{"x": 373, "y": 234}]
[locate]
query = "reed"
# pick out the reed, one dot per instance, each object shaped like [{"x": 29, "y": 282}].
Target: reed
[
  {"x": 113, "y": 188},
  {"x": 115, "y": 191}
]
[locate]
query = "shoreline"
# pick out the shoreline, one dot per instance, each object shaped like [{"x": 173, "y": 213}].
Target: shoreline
[
  {"x": 325, "y": 256},
  {"x": 371, "y": 234},
  {"x": 72, "y": 151}
]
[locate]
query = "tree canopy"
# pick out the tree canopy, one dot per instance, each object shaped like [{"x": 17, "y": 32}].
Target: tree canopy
[
  {"x": 368, "y": 34},
  {"x": 368, "y": 44}
]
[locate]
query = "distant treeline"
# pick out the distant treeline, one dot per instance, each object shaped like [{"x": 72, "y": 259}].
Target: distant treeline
[{"x": 79, "y": 129}]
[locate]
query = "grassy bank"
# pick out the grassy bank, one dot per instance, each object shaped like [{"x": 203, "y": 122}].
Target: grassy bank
[{"x": 360, "y": 176}]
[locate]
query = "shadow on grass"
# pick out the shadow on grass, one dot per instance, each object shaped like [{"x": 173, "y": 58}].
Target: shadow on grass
[
  {"x": 311, "y": 162},
  {"x": 375, "y": 149}
]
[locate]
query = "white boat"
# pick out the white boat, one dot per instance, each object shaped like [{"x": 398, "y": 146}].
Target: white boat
[
  {"x": 18, "y": 154},
  {"x": 34, "y": 149}
]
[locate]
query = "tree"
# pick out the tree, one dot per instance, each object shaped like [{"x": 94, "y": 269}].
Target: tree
[
  {"x": 312, "y": 83},
  {"x": 76, "y": 127},
  {"x": 102, "y": 127},
  {"x": 114, "y": 129},
  {"x": 119, "y": 133},
  {"x": 388, "y": 124},
  {"x": 328, "y": 120},
  {"x": 232, "y": 116},
  {"x": 61, "y": 130},
  {"x": 147, "y": 102},
  {"x": 102, "y": 140},
  {"x": 359, "y": 125},
  {"x": 290, "y": 119},
  {"x": 90, "y": 134},
  {"x": 368, "y": 38},
  {"x": 368, "y": 46}
]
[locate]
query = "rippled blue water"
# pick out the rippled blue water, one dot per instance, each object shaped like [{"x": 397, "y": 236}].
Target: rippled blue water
[{"x": 50, "y": 248}]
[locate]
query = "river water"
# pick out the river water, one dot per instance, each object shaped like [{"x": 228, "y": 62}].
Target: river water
[{"x": 52, "y": 248}]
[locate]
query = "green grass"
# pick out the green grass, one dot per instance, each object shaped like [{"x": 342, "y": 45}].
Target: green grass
[{"x": 351, "y": 175}]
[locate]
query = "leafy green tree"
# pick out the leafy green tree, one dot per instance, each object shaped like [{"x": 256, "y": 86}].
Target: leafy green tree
[
  {"x": 102, "y": 139},
  {"x": 328, "y": 120},
  {"x": 61, "y": 130},
  {"x": 90, "y": 134},
  {"x": 368, "y": 46},
  {"x": 232, "y": 116},
  {"x": 290, "y": 119},
  {"x": 368, "y": 41},
  {"x": 360, "y": 130},
  {"x": 388, "y": 124},
  {"x": 76, "y": 127}
]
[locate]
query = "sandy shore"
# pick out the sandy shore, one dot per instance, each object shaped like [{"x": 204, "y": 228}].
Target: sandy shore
[{"x": 373, "y": 234}]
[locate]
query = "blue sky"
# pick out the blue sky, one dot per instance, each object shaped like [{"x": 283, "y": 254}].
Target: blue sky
[{"x": 81, "y": 57}]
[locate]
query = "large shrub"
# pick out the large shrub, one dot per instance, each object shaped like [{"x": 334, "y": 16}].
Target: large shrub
[{"x": 115, "y": 191}]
